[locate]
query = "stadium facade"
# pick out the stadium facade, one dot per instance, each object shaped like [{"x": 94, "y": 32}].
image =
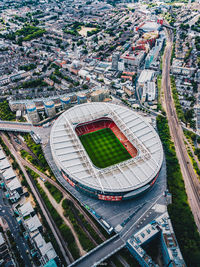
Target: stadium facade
[{"x": 120, "y": 181}]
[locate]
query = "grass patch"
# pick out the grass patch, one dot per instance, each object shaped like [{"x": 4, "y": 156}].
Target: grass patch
[
  {"x": 104, "y": 148},
  {"x": 54, "y": 192},
  {"x": 24, "y": 153},
  {"x": 40, "y": 163},
  {"x": 69, "y": 208}
]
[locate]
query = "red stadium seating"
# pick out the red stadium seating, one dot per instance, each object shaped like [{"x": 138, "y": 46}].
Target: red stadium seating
[{"x": 102, "y": 123}]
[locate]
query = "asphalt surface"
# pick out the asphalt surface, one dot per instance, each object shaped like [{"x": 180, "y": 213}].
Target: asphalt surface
[
  {"x": 190, "y": 179},
  {"x": 110, "y": 247},
  {"x": 8, "y": 215},
  {"x": 15, "y": 126}
]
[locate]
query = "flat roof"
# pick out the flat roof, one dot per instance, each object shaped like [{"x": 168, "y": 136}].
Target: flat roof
[
  {"x": 46, "y": 249},
  {"x": 26, "y": 209},
  {"x": 4, "y": 163},
  {"x": 2, "y": 240},
  {"x": 9, "y": 174},
  {"x": 2, "y": 155},
  {"x": 146, "y": 76},
  {"x": 150, "y": 26},
  {"x": 70, "y": 155},
  {"x": 14, "y": 184},
  {"x": 33, "y": 223}
]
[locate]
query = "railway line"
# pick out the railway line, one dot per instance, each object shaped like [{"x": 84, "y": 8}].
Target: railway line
[
  {"x": 17, "y": 147},
  {"x": 63, "y": 191},
  {"x": 60, "y": 188},
  {"x": 191, "y": 182},
  {"x": 61, "y": 243},
  {"x": 22, "y": 145}
]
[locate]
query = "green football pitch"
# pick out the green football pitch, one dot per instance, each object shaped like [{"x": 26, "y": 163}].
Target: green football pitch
[{"x": 104, "y": 148}]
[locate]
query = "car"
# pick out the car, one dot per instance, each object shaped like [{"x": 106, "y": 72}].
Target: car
[{"x": 41, "y": 178}]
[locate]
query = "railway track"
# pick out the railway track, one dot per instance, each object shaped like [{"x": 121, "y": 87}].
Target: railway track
[
  {"x": 68, "y": 196},
  {"x": 191, "y": 182},
  {"x": 61, "y": 243},
  {"x": 64, "y": 192}
]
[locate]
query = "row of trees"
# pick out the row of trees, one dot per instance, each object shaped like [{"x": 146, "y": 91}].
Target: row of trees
[
  {"x": 179, "y": 211},
  {"x": 28, "y": 67},
  {"x": 197, "y": 42},
  {"x": 179, "y": 110},
  {"x": 196, "y": 26}
]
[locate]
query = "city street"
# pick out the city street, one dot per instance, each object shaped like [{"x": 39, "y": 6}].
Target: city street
[{"x": 7, "y": 213}]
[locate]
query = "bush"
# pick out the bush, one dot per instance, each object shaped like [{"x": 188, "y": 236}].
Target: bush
[
  {"x": 54, "y": 192},
  {"x": 41, "y": 164},
  {"x": 24, "y": 153},
  {"x": 5, "y": 112},
  {"x": 159, "y": 79}
]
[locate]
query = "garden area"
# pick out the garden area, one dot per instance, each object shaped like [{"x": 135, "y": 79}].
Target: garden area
[{"x": 5, "y": 112}]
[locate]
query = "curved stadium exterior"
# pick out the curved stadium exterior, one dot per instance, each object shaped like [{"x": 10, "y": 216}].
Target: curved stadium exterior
[{"x": 126, "y": 168}]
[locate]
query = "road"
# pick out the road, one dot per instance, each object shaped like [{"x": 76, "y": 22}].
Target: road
[
  {"x": 15, "y": 126},
  {"x": 8, "y": 215},
  {"x": 191, "y": 182},
  {"x": 101, "y": 253},
  {"x": 62, "y": 245}
]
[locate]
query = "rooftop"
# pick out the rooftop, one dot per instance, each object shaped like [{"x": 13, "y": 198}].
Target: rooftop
[
  {"x": 2, "y": 241},
  {"x": 46, "y": 249},
  {"x": 4, "y": 163},
  {"x": 145, "y": 76},
  {"x": 33, "y": 223},
  {"x": 26, "y": 209},
  {"x": 13, "y": 184},
  {"x": 9, "y": 174}
]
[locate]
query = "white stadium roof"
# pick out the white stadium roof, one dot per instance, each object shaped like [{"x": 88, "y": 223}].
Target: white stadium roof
[{"x": 70, "y": 155}]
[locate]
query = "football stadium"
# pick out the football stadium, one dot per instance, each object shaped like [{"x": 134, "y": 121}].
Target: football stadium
[{"x": 106, "y": 151}]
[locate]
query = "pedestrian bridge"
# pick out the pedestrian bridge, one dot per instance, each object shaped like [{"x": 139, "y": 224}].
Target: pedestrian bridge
[
  {"x": 168, "y": 26},
  {"x": 15, "y": 126}
]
